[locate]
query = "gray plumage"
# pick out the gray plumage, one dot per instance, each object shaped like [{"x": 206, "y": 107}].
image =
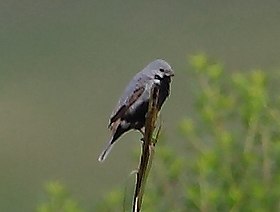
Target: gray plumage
[{"x": 130, "y": 111}]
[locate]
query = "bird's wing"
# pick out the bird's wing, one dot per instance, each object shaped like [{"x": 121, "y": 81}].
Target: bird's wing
[
  {"x": 133, "y": 91},
  {"x": 129, "y": 101}
]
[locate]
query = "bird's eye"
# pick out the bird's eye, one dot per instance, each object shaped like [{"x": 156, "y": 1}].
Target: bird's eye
[
  {"x": 161, "y": 70},
  {"x": 157, "y": 77}
]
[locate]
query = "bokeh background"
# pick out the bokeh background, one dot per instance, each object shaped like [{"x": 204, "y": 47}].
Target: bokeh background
[{"x": 63, "y": 65}]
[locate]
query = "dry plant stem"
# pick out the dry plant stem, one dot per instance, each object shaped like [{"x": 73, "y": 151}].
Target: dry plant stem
[{"x": 147, "y": 151}]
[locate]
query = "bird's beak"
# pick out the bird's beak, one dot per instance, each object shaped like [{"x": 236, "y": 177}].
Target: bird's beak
[{"x": 172, "y": 73}]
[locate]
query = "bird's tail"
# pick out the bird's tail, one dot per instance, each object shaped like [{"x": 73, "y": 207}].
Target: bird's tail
[{"x": 106, "y": 151}]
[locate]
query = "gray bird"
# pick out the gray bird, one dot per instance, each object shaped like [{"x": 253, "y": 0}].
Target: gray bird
[{"x": 130, "y": 112}]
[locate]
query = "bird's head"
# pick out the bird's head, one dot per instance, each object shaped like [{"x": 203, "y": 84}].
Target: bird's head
[{"x": 159, "y": 70}]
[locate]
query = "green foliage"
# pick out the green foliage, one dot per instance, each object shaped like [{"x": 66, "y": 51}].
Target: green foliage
[
  {"x": 115, "y": 201},
  {"x": 58, "y": 200},
  {"x": 234, "y": 141}
]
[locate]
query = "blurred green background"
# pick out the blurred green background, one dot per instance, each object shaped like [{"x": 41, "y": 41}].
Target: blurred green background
[{"x": 63, "y": 65}]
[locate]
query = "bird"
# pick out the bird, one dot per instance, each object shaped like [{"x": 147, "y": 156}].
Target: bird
[{"x": 132, "y": 107}]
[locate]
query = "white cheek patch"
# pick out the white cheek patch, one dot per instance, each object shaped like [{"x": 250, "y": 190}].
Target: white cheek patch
[{"x": 157, "y": 81}]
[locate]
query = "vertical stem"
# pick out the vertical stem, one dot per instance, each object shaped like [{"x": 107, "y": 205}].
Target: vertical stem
[{"x": 147, "y": 151}]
